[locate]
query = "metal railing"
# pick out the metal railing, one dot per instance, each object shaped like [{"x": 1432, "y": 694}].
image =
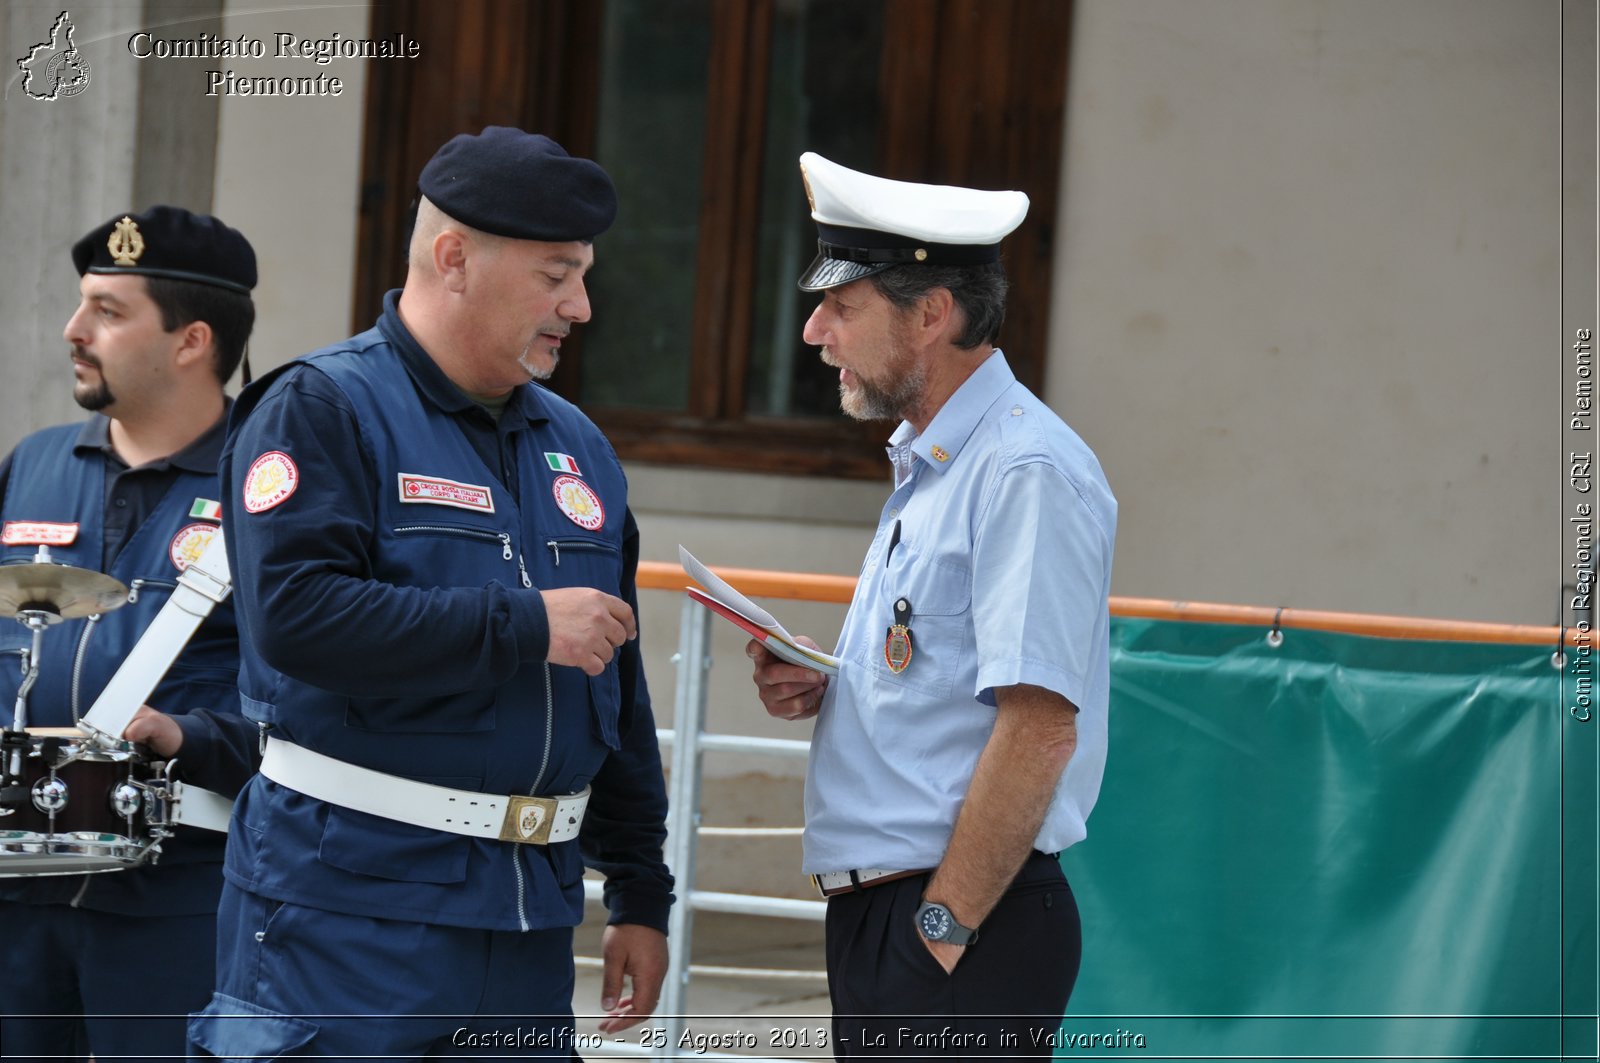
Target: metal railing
[{"x": 687, "y": 739}]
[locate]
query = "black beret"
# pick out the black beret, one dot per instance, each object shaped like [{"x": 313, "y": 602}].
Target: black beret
[
  {"x": 169, "y": 242},
  {"x": 522, "y": 185}
]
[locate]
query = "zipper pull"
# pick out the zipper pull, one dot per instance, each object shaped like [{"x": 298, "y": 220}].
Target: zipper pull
[
  {"x": 555, "y": 548},
  {"x": 133, "y": 591},
  {"x": 523, "y": 570},
  {"x": 505, "y": 543}
]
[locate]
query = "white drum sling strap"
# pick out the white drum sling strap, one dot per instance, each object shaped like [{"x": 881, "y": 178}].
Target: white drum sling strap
[{"x": 203, "y": 585}]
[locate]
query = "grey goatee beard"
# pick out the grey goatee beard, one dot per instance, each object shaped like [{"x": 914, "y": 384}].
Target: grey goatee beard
[{"x": 868, "y": 401}]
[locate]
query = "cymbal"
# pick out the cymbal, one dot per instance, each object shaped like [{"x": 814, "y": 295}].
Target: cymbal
[{"x": 61, "y": 589}]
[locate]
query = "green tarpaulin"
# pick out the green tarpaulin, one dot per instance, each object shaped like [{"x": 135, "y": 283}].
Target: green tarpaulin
[{"x": 1338, "y": 847}]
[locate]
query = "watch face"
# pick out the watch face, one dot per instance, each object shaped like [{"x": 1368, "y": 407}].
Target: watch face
[{"x": 935, "y": 923}]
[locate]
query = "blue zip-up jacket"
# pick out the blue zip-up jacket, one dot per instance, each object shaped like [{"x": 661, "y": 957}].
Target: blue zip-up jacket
[
  {"x": 56, "y": 477},
  {"x": 391, "y": 542}
]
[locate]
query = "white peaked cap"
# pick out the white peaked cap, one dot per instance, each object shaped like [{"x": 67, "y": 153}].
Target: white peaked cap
[{"x": 867, "y": 224}]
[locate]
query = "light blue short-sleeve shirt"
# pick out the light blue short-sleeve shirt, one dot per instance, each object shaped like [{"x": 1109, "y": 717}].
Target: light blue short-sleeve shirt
[{"x": 1005, "y": 532}]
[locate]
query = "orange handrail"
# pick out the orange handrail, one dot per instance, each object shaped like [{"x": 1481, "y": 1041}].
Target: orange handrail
[
  {"x": 1375, "y": 624},
  {"x": 811, "y": 587},
  {"x": 756, "y": 582}
]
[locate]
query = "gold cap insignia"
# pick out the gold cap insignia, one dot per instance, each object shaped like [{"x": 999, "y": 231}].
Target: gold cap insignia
[
  {"x": 922, "y": 254},
  {"x": 125, "y": 243},
  {"x": 805, "y": 179}
]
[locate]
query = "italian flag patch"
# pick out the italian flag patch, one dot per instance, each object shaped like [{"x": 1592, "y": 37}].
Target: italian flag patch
[
  {"x": 206, "y": 509},
  {"x": 562, "y": 463}
]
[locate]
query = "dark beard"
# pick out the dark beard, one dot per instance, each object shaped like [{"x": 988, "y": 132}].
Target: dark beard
[{"x": 92, "y": 397}]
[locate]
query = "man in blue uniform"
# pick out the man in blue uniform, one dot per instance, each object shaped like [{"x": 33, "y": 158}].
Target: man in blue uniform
[
  {"x": 435, "y": 585},
  {"x": 109, "y": 963},
  {"x": 961, "y": 746}
]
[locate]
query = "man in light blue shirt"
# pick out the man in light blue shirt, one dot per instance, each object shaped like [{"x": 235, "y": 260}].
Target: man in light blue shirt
[{"x": 961, "y": 746}]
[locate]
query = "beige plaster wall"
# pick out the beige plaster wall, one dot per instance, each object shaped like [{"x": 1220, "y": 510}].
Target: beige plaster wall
[
  {"x": 1306, "y": 305},
  {"x": 289, "y": 175}
]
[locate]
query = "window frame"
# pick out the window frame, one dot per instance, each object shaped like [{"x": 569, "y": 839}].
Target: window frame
[{"x": 971, "y": 92}]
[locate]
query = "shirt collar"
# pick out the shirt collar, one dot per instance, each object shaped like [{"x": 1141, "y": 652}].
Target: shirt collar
[
  {"x": 202, "y": 455},
  {"x": 940, "y": 444},
  {"x": 431, "y": 381},
  {"x": 95, "y": 434}
]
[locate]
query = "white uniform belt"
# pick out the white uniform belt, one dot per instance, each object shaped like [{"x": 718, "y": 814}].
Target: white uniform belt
[
  {"x": 525, "y": 820},
  {"x": 830, "y": 883}
]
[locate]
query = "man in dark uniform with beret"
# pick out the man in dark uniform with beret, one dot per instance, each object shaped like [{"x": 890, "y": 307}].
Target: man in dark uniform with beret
[
  {"x": 108, "y": 963},
  {"x": 435, "y": 582}
]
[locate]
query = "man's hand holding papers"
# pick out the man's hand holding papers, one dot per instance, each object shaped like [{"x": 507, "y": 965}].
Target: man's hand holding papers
[{"x": 723, "y": 599}]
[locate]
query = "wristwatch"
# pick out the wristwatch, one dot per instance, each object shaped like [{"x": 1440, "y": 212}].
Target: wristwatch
[{"x": 937, "y": 924}]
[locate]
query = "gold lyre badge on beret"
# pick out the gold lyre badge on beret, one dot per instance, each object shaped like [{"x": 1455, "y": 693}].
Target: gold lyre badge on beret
[{"x": 125, "y": 242}]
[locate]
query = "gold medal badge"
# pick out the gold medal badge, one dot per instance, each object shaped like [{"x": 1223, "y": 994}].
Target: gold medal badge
[{"x": 897, "y": 640}]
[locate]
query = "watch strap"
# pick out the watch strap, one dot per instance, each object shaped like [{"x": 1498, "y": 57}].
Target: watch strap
[{"x": 961, "y": 935}]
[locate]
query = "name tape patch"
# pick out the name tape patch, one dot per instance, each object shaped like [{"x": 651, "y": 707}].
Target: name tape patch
[
  {"x": 37, "y": 533},
  {"x": 437, "y": 491}
]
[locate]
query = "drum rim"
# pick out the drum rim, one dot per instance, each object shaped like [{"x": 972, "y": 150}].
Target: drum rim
[{"x": 86, "y": 851}]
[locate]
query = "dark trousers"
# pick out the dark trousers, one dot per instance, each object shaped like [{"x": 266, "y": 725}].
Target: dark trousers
[
  {"x": 1005, "y": 998},
  {"x": 74, "y": 982},
  {"x": 295, "y": 981}
]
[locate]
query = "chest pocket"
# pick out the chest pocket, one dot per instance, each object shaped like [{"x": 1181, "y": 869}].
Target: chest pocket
[
  {"x": 435, "y": 552},
  {"x": 579, "y": 560},
  {"x": 584, "y": 561},
  {"x": 940, "y": 593}
]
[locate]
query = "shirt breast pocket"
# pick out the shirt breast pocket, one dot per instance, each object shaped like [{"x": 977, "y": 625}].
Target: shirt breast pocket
[{"x": 940, "y": 595}]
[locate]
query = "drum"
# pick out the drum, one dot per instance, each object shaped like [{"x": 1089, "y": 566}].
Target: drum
[{"x": 77, "y": 808}]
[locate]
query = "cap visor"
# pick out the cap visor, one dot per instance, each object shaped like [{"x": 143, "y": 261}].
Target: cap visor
[{"x": 825, "y": 273}]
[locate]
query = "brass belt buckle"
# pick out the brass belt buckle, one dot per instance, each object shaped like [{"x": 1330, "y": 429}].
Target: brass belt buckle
[{"x": 528, "y": 820}]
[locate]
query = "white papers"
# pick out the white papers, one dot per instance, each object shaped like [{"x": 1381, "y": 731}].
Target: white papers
[{"x": 724, "y": 600}]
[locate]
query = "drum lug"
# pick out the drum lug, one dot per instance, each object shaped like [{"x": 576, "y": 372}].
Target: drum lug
[
  {"x": 127, "y": 799},
  {"x": 50, "y": 796}
]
